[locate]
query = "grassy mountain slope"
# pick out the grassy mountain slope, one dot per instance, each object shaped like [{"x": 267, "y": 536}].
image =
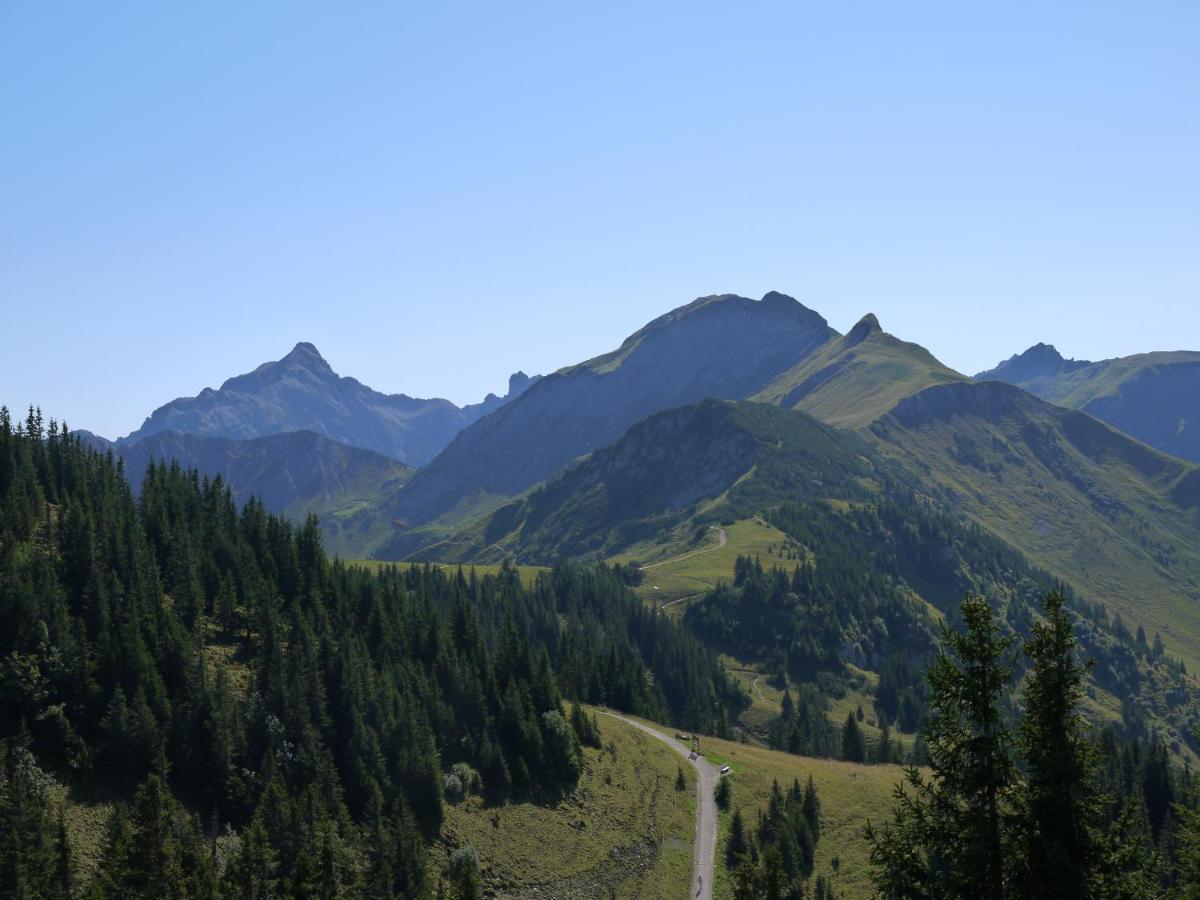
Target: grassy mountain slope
[
  {"x": 727, "y": 459},
  {"x": 850, "y": 794},
  {"x": 1087, "y": 502},
  {"x": 1153, "y": 396},
  {"x": 623, "y": 831},
  {"x": 1058, "y": 495},
  {"x": 854, "y": 379},
  {"x": 717, "y": 347}
]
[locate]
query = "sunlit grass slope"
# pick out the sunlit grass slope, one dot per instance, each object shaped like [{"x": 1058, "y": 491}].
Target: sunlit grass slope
[{"x": 625, "y": 831}]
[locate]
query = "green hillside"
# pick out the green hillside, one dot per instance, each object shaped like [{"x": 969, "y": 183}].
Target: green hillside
[
  {"x": 1111, "y": 515},
  {"x": 623, "y": 831},
  {"x": 699, "y": 465},
  {"x": 292, "y": 473},
  {"x": 854, "y": 379},
  {"x": 897, "y": 529}
]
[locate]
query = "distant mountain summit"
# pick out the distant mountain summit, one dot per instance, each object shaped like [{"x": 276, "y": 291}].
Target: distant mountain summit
[
  {"x": 1153, "y": 396},
  {"x": 301, "y": 392},
  {"x": 722, "y": 347},
  {"x": 1039, "y": 361}
]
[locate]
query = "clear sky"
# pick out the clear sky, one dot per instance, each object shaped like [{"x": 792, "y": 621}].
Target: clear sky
[{"x": 438, "y": 194}]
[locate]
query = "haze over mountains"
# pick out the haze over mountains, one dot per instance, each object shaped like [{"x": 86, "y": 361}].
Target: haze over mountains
[
  {"x": 1058, "y": 486},
  {"x": 1153, "y": 396},
  {"x": 301, "y": 392}
]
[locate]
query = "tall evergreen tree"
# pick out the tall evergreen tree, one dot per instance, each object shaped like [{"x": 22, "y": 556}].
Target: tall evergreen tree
[
  {"x": 950, "y": 832},
  {"x": 1058, "y": 804}
]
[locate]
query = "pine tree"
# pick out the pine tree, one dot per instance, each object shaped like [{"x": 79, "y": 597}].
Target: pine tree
[
  {"x": 145, "y": 857},
  {"x": 737, "y": 846},
  {"x": 949, "y": 834},
  {"x": 253, "y": 871},
  {"x": 1058, "y": 803},
  {"x": 853, "y": 746},
  {"x": 812, "y": 809},
  {"x": 722, "y": 793}
]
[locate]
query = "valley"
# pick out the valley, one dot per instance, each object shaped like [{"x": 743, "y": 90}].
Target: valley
[{"x": 428, "y": 648}]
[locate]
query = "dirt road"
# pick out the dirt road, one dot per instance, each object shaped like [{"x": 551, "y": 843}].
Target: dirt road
[
  {"x": 722, "y": 540},
  {"x": 704, "y": 859}
]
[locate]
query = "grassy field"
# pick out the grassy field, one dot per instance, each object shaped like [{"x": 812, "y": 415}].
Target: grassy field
[
  {"x": 87, "y": 818},
  {"x": 849, "y": 793},
  {"x": 681, "y": 571},
  {"x": 528, "y": 573},
  {"x": 623, "y": 832}
]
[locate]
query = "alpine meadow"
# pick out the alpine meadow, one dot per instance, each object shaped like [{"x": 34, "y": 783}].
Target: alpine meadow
[{"x": 716, "y": 596}]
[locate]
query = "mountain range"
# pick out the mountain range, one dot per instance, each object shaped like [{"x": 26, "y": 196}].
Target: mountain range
[
  {"x": 301, "y": 392},
  {"x": 1153, "y": 396},
  {"x": 721, "y": 409},
  {"x": 906, "y": 483},
  {"x": 723, "y": 347}
]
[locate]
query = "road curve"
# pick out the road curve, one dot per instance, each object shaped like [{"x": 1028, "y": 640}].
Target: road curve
[
  {"x": 722, "y": 540},
  {"x": 704, "y": 858}
]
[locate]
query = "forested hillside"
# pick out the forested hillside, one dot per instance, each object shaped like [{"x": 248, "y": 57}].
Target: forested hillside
[{"x": 270, "y": 722}]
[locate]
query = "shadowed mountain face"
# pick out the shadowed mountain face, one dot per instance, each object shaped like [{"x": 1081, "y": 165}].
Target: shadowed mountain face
[
  {"x": 1153, "y": 396},
  {"x": 295, "y": 474},
  {"x": 667, "y": 466},
  {"x": 302, "y": 393},
  {"x": 724, "y": 347}
]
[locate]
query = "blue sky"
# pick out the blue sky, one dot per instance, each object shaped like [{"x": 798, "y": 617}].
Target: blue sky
[{"x": 439, "y": 194}]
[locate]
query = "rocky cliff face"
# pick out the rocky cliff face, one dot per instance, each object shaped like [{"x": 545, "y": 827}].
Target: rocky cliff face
[
  {"x": 724, "y": 347},
  {"x": 301, "y": 392}
]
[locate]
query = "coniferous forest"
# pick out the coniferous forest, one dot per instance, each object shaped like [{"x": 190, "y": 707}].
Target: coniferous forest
[{"x": 283, "y": 724}]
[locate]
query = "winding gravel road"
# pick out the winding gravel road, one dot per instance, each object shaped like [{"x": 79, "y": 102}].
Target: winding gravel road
[
  {"x": 704, "y": 859},
  {"x": 722, "y": 540}
]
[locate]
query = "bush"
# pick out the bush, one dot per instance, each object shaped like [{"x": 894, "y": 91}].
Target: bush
[
  {"x": 561, "y": 749},
  {"x": 723, "y": 793},
  {"x": 472, "y": 782},
  {"x": 464, "y": 873}
]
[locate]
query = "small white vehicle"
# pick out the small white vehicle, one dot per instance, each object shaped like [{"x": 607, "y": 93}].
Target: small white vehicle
[{"x": 725, "y": 770}]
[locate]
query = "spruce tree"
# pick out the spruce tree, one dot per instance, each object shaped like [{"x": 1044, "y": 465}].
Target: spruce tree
[
  {"x": 1058, "y": 803},
  {"x": 737, "y": 846},
  {"x": 853, "y": 746},
  {"x": 950, "y": 832}
]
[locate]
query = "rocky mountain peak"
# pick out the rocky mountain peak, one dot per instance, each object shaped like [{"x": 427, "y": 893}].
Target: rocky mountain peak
[
  {"x": 868, "y": 325},
  {"x": 517, "y": 383},
  {"x": 1038, "y": 361},
  {"x": 309, "y": 357}
]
